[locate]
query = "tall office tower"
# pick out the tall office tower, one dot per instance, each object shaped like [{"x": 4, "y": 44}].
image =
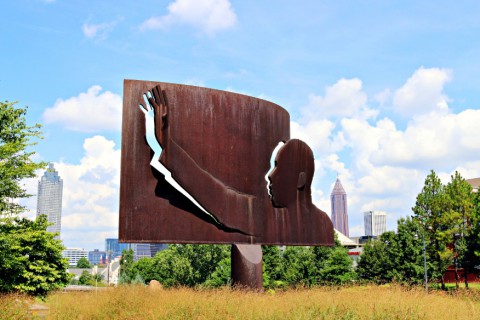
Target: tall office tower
[
  {"x": 156, "y": 247},
  {"x": 375, "y": 222},
  {"x": 146, "y": 250},
  {"x": 338, "y": 199},
  {"x": 49, "y": 199},
  {"x": 74, "y": 254},
  {"x": 114, "y": 249}
]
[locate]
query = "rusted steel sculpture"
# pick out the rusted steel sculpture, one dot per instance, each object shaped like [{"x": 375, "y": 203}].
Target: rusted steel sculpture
[
  {"x": 217, "y": 146},
  {"x": 195, "y": 165}
]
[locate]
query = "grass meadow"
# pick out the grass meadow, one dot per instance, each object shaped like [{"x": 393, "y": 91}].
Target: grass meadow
[{"x": 362, "y": 302}]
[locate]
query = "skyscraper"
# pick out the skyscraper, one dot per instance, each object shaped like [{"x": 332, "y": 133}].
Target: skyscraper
[
  {"x": 113, "y": 248},
  {"x": 49, "y": 199},
  {"x": 375, "y": 222},
  {"x": 338, "y": 199}
]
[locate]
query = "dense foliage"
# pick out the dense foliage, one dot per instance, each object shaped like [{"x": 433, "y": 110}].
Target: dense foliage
[
  {"x": 394, "y": 256},
  {"x": 307, "y": 266},
  {"x": 209, "y": 266},
  {"x": 83, "y": 263},
  {"x": 15, "y": 161},
  {"x": 30, "y": 257},
  {"x": 446, "y": 218}
]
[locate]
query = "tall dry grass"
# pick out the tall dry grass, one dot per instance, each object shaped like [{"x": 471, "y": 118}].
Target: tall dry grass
[
  {"x": 13, "y": 306},
  {"x": 321, "y": 303}
]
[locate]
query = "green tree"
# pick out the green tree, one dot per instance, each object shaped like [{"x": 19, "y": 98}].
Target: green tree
[
  {"x": 373, "y": 264},
  {"x": 172, "y": 269},
  {"x": 461, "y": 200},
  {"x": 127, "y": 274},
  {"x": 272, "y": 266},
  {"x": 85, "y": 278},
  {"x": 186, "y": 265},
  {"x": 30, "y": 257},
  {"x": 333, "y": 265},
  {"x": 433, "y": 212},
  {"x": 394, "y": 257},
  {"x": 298, "y": 266},
  {"x": 473, "y": 240},
  {"x": 222, "y": 275},
  {"x": 15, "y": 161},
  {"x": 338, "y": 267},
  {"x": 83, "y": 263},
  {"x": 410, "y": 267},
  {"x": 203, "y": 259},
  {"x": 144, "y": 268}
]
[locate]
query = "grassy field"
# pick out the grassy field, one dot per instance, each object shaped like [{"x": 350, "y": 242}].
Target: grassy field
[{"x": 322, "y": 303}]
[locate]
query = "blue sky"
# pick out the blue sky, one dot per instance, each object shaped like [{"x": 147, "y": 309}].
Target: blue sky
[{"x": 383, "y": 91}]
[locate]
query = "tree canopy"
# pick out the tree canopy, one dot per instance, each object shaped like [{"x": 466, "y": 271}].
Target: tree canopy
[
  {"x": 394, "y": 256},
  {"x": 30, "y": 257},
  {"x": 209, "y": 266},
  {"x": 15, "y": 160},
  {"x": 83, "y": 263},
  {"x": 447, "y": 218}
]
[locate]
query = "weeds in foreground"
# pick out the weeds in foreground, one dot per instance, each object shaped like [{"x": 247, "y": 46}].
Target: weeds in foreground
[
  {"x": 15, "y": 306},
  {"x": 361, "y": 302}
]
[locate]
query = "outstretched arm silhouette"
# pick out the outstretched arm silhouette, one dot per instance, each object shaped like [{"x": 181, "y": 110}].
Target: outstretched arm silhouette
[{"x": 156, "y": 103}]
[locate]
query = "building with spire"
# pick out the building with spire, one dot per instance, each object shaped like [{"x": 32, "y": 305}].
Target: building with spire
[
  {"x": 338, "y": 199},
  {"x": 49, "y": 199}
]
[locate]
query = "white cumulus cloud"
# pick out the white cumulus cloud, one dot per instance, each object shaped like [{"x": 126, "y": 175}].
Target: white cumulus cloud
[
  {"x": 90, "y": 193},
  {"x": 434, "y": 140},
  {"x": 92, "y": 111},
  {"x": 423, "y": 92},
  {"x": 316, "y": 133},
  {"x": 343, "y": 99},
  {"x": 208, "y": 16}
]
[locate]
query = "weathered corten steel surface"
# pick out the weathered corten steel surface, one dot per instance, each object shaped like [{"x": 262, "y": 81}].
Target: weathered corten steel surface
[
  {"x": 247, "y": 269},
  {"x": 290, "y": 188},
  {"x": 217, "y": 145}
]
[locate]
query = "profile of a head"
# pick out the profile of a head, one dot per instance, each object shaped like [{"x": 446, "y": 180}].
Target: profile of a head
[{"x": 293, "y": 173}]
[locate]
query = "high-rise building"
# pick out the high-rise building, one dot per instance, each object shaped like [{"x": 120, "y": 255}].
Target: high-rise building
[
  {"x": 156, "y": 247},
  {"x": 141, "y": 250},
  {"x": 96, "y": 257},
  {"x": 375, "y": 222},
  {"x": 338, "y": 199},
  {"x": 74, "y": 254},
  {"x": 49, "y": 199},
  {"x": 113, "y": 248}
]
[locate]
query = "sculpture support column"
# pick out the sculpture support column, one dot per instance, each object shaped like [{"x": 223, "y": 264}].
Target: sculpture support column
[{"x": 246, "y": 260}]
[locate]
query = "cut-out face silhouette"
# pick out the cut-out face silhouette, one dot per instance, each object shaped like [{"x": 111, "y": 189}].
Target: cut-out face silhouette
[
  {"x": 290, "y": 188},
  {"x": 293, "y": 173}
]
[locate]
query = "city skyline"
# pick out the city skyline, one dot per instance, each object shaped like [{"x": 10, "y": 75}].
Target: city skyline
[{"x": 382, "y": 93}]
